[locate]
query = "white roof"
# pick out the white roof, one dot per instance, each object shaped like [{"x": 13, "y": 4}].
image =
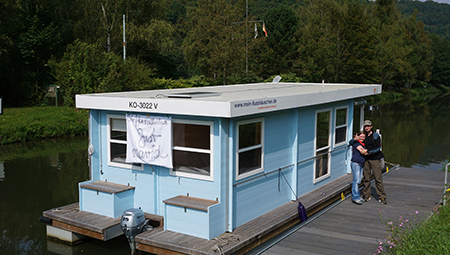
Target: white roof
[{"x": 227, "y": 101}]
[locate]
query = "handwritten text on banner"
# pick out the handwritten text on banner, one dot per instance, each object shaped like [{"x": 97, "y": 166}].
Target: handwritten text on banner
[{"x": 149, "y": 140}]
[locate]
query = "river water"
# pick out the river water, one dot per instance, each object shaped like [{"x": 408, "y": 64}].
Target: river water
[
  {"x": 415, "y": 133},
  {"x": 37, "y": 176}
]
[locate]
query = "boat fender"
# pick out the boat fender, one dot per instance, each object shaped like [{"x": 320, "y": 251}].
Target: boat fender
[
  {"x": 302, "y": 212},
  {"x": 45, "y": 220}
]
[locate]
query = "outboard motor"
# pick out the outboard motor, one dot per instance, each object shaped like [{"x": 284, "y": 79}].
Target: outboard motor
[{"x": 132, "y": 223}]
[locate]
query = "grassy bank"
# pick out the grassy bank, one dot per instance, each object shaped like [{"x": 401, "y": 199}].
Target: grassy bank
[
  {"x": 432, "y": 237},
  {"x": 26, "y": 124},
  {"x": 407, "y": 237}
]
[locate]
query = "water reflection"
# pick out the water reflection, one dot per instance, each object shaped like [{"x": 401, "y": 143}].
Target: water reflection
[
  {"x": 2, "y": 172},
  {"x": 415, "y": 132},
  {"x": 37, "y": 176}
]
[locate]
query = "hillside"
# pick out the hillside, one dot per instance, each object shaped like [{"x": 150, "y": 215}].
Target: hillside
[{"x": 435, "y": 16}]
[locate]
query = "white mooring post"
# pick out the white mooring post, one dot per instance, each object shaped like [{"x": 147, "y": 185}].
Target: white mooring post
[{"x": 445, "y": 183}]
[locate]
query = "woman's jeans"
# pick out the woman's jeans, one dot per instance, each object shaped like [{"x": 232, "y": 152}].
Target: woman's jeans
[{"x": 357, "y": 171}]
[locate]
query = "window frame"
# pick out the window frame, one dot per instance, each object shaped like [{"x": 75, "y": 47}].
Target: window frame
[
  {"x": 257, "y": 170},
  {"x": 209, "y": 177},
  {"x": 344, "y": 142},
  {"x": 325, "y": 148},
  {"x": 133, "y": 166}
]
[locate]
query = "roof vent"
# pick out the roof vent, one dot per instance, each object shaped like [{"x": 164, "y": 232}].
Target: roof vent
[
  {"x": 276, "y": 79},
  {"x": 194, "y": 94}
]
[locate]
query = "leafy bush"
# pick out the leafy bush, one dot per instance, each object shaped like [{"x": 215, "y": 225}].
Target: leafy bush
[
  {"x": 24, "y": 124},
  {"x": 86, "y": 68}
]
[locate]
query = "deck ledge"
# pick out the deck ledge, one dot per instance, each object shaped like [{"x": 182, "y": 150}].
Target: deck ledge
[
  {"x": 107, "y": 187},
  {"x": 191, "y": 202}
]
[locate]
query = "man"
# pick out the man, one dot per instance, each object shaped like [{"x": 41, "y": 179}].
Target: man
[{"x": 373, "y": 164}]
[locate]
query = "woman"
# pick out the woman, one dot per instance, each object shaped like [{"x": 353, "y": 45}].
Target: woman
[{"x": 357, "y": 164}]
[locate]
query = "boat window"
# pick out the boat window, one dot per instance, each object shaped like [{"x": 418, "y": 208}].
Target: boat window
[
  {"x": 322, "y": 144},
  {"x": 117, "y": 143},
  {"x": 250, "y": 147},
  {"x": 192, "y": 149},
  {"x": 340, "y": 133}
]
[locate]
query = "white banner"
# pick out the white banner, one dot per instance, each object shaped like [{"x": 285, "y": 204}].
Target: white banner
[{"x": 149, "y": 140}]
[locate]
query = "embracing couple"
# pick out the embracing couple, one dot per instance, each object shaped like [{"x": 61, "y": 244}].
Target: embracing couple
[{"x": 366, "y": 161}]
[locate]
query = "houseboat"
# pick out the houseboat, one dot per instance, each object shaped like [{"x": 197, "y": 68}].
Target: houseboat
[{"x": 207, "y": 160}]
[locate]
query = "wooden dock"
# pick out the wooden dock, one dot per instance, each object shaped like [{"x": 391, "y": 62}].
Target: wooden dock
[
  {"x": 71, "y": 219},
  {"x": 345, "y": 229},
  {"x": 356, "y": 229},
  {"x": 247, "y": 236}
]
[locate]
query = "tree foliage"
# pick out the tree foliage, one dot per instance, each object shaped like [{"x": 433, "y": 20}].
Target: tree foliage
[
  {"x": 282, "y": 22},
  {"x": 337, "y": 43},
  {"x": 435, "y": 16},
  {"x": 86, "y": 68},
  {"x": 214, "y": 44},
  {"x": 78, "y": 44},
  {"x": 441, "y": 63}
]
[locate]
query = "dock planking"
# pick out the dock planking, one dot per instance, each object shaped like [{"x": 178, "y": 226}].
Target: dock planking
[
  {"x": 97, "y": 226},
  {"x": 70, "y": 218},
  {"x": 345, "y": 229},
  {"x": 353, "y": 229},
  {"x": 249, "y": 235}
]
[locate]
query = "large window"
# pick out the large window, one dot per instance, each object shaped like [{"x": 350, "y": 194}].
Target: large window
[
  {"x": 192, "y": 149},
  {"x": 322, "y": 151},
  {"x": 250, "y": 147},
  {"x": 117, "y": 142},
  {"x": 340, "y": 133}
]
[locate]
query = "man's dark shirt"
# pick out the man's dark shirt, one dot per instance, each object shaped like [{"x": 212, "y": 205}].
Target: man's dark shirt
[{"x": 373, "y": 144}]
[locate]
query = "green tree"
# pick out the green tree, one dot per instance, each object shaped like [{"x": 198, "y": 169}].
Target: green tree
[
  {"x": 435, "y": 16},
  {"x": 393, "y": 65},
  {"x": 215, "y": 43},
  {"x": 258, "y": 55},
  {"x": 100, "y": 22},
  {"x": 31, "y": 32},
  {"x": 154, "y": 43},
  {"x": 404, "y": 51},
  {"x": 7, "y": 56},
  {"x": 317, "y": 41},
  {"x": 281, "y": 24},
  {"x": 336, "y": 42},
  {"x": 441, "y": 64},
  {"x": 36, "y": 45},
  {"x": 356, "y": 46},
  {"x": 421, "y": 57},
  {"x": 86, "y": 68}
]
